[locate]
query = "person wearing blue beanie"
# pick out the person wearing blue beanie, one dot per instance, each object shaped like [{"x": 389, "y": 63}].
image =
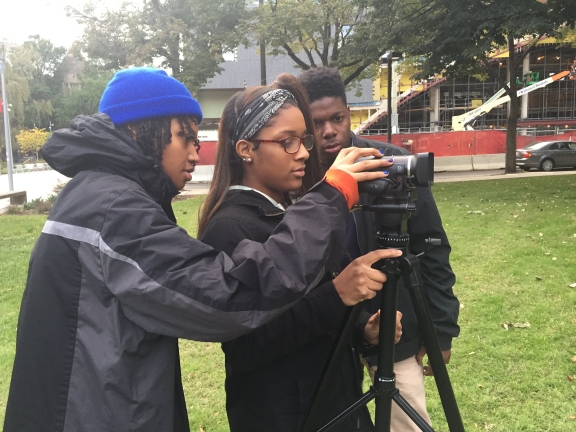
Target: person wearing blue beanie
[
  {"x": 156, "y": 110},
  {"x": 113, "y": 281}
]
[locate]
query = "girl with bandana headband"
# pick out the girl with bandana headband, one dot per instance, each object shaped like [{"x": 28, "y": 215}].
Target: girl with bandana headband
[{"x": 266, "y": 158}]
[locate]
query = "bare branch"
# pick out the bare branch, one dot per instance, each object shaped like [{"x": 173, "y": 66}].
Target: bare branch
[
  {"x": 326, "y": 42},
  {"x": 306, "y": 50},
  {"x": 294, "y": 57}
]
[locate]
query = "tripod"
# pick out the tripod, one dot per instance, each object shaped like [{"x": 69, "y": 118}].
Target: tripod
[{"x": 393, "y": 214}]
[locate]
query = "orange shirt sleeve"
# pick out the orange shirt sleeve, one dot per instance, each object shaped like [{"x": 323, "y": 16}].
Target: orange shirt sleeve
[{"x": 345, "y": 183}]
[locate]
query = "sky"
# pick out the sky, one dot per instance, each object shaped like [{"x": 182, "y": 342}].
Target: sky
[{"x": 22, "y": 18}]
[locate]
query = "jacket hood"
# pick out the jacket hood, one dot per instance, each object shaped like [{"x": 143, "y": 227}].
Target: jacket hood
[{"x": 93, "y": 143}]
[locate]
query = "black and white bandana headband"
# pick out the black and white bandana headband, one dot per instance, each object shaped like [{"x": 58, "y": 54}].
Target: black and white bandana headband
[{"x": 255, "y": 115}]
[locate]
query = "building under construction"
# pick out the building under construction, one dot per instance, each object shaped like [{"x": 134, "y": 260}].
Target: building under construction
[{"x": 430, "y": 106}]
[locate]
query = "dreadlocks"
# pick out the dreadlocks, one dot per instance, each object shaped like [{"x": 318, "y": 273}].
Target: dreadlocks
[{"x": 153, "y": 135}]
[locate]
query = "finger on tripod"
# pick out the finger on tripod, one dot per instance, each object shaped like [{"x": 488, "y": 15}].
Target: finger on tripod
[
  {"x": 373, "y": 285},
  {"x": 378, "y": 254},
  {"x": 370, "y": 294}
]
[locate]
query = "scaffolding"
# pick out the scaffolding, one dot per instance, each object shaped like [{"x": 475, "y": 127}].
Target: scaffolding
[{"x": 554, "y": 105}]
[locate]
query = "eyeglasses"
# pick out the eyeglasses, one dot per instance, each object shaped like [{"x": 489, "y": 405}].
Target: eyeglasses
[{"x": 292, "y": 144}]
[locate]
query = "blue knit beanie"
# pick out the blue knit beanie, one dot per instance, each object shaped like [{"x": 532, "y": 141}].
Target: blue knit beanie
[{"x": 142, "y": 93}]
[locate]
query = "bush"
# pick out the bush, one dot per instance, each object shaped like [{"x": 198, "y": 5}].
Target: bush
[
  {"x": 38, "y": 205},
  {"x": 31, "y": 205},
  {"x": 14, "y": 210},
  {"x": 52, "y": 198}
]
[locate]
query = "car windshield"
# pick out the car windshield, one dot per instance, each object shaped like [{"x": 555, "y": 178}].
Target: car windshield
[{"x": 537, "y": 146}]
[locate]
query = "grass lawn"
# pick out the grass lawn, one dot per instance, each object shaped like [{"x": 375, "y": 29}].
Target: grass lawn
[{"x": 513, "y": 253}]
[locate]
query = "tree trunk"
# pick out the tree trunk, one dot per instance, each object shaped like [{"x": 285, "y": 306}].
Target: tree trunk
[{"x": 510, "y": 165}]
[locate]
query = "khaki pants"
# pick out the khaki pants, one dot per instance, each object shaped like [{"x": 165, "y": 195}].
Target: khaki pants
[{"x": 410, "y": 382}]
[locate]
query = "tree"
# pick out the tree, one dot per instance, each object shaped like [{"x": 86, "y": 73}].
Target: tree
[
  {"x": 351, "y": 35},
  {"x": 30, "y": 140},
  {"x": 84, "y": 100},
  {"x": 568, "y": 35},
  {"x": 460, "y": 35},
  {"x": 31, "y": 82},
  {"x": 187, "y": 36}
]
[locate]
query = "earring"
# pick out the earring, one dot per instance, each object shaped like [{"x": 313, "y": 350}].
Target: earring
[{"x": 248, "y": 160}]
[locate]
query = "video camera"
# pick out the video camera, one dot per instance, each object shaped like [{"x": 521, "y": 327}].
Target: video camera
[
  {"x": 391, "y": 199},
  {"x": 406, "y": 172}
]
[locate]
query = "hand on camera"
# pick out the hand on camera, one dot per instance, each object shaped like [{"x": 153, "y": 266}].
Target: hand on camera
[
  {"x": 346, "y": 159},
  {"x": 359, "y": 281},
  {"x": 372, "y": 328}
]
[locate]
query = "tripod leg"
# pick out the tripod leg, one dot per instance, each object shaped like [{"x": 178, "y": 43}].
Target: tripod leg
[
  {"x": 331, "y": 368},
  {"x": 385, "y": 380},
  {"x": 412, "y": 413},
  {"x": 366, "y": 397},
  {"x": 413, "y": 281}
]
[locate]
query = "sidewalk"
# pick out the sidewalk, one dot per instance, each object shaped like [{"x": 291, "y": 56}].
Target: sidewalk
[
  {"x": 201, "y": 188},
  {"x": 40, "y": 183},
  {"x": 37, "y": 184}
]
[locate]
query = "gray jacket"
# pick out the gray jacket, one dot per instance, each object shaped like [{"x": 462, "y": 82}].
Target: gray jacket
[{"x": 113, "y": 282}]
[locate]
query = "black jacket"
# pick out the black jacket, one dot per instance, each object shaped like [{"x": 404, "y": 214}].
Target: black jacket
[
  {"x": 435, "y": 268},
  {"x": 113, "y": 282},
  {"x": 272, "y": 373}
]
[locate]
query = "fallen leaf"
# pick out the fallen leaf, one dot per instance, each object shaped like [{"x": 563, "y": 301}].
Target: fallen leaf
[
  {"x": 473, "y": 352},
  {"x": 571, "y": 418},
  {"x": 462, "y": 304},
  {"x": 573, "y": 359},
  {"x": 480, "y": 386},
  {"x": 521, "y": 325},
  {"x": 546, "y": 253},
  {"x": 572, "y": 285},
  {"x": 570, "y": 378},
  {"x": 507, "y": 326},
  {"x": 541, "y": 234},
  {"x": 553, "y": 258},
  {"x": 538, "y": 278}
]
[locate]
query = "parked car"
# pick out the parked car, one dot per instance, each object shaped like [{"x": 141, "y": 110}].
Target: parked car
[{"x": 547, "y": 155}]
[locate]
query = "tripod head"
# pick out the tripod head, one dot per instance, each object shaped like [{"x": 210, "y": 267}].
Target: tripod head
[{"x": 392, "y": 199}]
